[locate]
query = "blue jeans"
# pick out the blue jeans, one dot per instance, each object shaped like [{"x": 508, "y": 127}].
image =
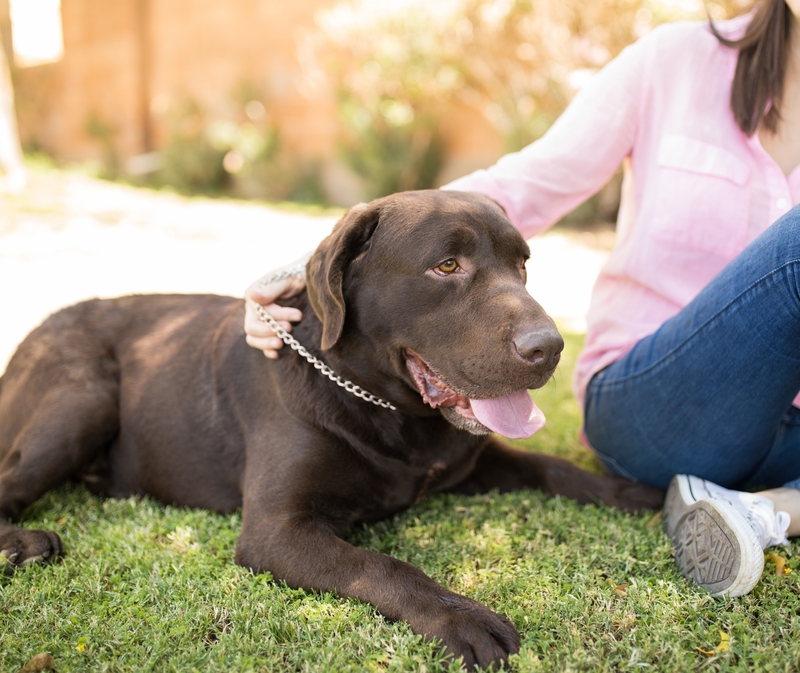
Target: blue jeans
[{"x": 710, "y": 393}]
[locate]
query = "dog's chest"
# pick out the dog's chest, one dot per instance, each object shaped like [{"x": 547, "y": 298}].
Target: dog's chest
[
  {"x": 398, "y": 485},
  {"x": 398, "y": 490}
]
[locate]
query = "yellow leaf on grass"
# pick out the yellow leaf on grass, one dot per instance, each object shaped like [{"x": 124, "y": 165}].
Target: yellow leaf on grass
[
  {"x": 724, "y": 646},
  {"x": 656, "y": 519},
  {"x": 780, "y": 564},
  {"x": 621, "y": 589}
]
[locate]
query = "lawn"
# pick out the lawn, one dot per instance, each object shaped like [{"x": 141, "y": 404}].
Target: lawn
[{"x": 150, "y": 588}]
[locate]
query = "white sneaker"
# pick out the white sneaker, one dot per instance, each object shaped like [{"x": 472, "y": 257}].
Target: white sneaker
[{"x": 719, "y": 535}]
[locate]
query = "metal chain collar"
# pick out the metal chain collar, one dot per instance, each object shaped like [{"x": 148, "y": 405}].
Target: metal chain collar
[
  {"x": 282, "y": 275},
  {"x": 290, "y": 341}
]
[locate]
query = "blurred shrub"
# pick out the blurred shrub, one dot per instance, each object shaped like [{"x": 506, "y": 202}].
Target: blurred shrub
[
  {"x": 382, "y": 60},
  {"x": 394, "y": 66},
  {"x": 240, "y": 155},
  {"x": 396, "y": 69},
  {"x": 191, "y": 160},
  {"x": 392, "y": 148}
]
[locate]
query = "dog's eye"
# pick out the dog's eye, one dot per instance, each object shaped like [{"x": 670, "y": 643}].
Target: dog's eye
[{"x": 448, "y": 266}]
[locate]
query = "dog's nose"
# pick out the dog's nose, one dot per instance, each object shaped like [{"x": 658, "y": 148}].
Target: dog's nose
[{"x": 540, "y": 347}]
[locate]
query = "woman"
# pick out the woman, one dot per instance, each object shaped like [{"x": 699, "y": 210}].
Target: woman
[{"x": 691, "y": 363}]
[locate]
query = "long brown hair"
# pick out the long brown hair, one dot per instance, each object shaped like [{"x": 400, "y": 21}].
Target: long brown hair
[{"x": 761, "y": 66}]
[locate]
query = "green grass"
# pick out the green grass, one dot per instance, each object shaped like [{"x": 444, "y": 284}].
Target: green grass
[{"x": 150, "y": 588}]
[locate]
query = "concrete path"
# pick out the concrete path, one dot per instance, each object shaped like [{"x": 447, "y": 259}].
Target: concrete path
[{"x": 70, "y": 237}]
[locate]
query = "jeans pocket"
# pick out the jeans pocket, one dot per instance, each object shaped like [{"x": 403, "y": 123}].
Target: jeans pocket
[{"x": 700, "y": 186}]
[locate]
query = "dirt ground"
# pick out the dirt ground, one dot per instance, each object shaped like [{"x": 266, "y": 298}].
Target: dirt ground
[{"x": 69, "y": 237}]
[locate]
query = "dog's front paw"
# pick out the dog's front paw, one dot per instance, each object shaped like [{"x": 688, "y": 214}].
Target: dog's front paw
[
  {"x": 472, "y": 632},
  {"x": 19, "y": 547}
]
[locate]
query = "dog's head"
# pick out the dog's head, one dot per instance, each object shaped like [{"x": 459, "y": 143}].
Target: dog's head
[{"x": 429, "y": 288}]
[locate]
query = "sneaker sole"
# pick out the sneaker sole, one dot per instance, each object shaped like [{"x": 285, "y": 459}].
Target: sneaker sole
[
  {"x": 714, "y": 544},
  {"x": 676, "y": 503}
]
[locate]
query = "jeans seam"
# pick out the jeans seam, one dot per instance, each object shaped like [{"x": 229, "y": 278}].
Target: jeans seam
[
  {"x": 613, "y": 465},
  {"x": 753, "y": 480}
]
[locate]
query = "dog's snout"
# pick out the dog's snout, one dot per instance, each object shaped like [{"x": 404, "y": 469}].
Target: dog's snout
[{"x": 540, "y": 347}]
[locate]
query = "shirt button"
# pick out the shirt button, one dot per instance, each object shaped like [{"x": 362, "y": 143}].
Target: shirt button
[{"x": 782, "y": 204}]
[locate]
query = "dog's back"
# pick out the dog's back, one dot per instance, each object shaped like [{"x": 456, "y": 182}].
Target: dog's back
[{"x": 132, "y": 359}]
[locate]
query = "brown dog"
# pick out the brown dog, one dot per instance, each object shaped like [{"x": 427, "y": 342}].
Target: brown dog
[{"x": 419, "y": 298}]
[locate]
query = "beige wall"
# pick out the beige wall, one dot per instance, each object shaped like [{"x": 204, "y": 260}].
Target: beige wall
[
  {"x": 127, "y": 61},
  {"x": 207, "y": 49},
  {"x": 98, "y": 78}
]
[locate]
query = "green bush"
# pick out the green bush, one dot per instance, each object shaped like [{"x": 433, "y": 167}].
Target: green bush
[
  {"x": 389, "y": 152},
  {"x": 192, "y": 160},
  {"x": 398, "y": 67},
  {"x": 241, "y": 155}
]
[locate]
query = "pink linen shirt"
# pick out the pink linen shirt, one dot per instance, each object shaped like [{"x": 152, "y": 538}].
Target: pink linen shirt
[{"x": 696, "y": 190}]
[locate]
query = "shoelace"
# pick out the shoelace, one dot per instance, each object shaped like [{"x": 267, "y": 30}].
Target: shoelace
[{"x": 770, "y": 526}]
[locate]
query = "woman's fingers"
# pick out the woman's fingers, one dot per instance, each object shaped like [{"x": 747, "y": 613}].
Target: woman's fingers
[
  {"x": 268, "y": 345},
  {"x": 255, "y": 326},
  {"x": 260, "y": 334},
  {"x": 266, "y": 292}
]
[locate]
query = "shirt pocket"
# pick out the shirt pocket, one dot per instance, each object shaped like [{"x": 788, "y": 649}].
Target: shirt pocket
[{"x": 703, "y": 199}]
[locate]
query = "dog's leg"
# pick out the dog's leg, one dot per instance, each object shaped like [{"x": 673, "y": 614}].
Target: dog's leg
[
  {"x": 306, "y": 552},
  {"x": 59, "y": 433},
  {"x": 505, "y": 468}
]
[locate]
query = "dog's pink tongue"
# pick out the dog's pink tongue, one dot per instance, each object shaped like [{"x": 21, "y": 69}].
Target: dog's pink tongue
[{"x": 515, "y": 416}]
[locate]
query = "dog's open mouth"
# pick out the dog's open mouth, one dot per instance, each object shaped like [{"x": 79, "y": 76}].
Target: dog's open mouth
[{"x": 515, "y": 415}]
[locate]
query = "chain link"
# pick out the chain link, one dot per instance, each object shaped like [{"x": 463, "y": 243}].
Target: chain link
[
  {"x": 295, "y": 345},
  {"x": 282, "y": 275}
]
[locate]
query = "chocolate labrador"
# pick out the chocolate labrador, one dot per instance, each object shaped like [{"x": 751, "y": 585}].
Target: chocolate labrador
[{"x": 418, "y": 298}]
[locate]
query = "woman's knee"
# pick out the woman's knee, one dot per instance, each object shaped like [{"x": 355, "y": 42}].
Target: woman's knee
[{"x": 784, "y": 236}]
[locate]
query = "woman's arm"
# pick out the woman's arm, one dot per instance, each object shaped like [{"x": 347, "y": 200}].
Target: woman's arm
[{"x": 581, "y": 151}]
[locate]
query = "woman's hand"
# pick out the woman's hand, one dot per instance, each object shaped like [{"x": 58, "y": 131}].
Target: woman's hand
[{"x": 259, "y": 334}]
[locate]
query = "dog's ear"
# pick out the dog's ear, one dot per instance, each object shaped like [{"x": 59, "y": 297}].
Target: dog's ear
[{"x": 330, "y": 261}]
